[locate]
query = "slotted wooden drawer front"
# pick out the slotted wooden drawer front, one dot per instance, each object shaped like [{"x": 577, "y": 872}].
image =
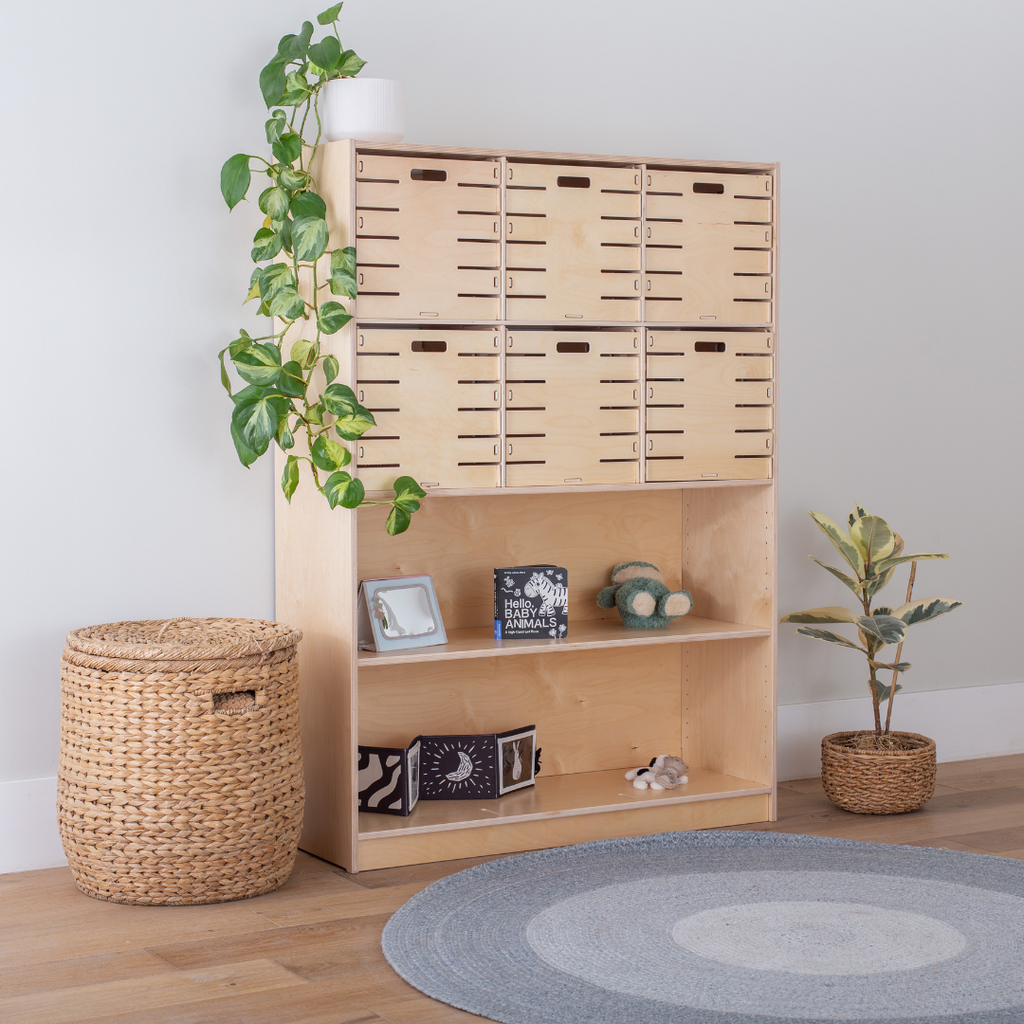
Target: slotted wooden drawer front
[
  {"x": 572, "y": 243},
  {"x": 708, "y": 240},
  {"x": 709, "y": 405},
  {"x": 428, "y": 238},
  {"x": 572, "y": 408},
  {"x": 436, "y": 397}
]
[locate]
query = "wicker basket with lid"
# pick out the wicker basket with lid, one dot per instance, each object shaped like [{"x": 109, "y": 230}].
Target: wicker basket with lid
[{"x": 180, "y": 776}]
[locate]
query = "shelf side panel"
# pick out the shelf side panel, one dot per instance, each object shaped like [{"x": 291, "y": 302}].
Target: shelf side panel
[
  {"x": 729, "y": 553},
  {"x": 729, "y": 708},
  {"x": 316, "y": 590}
]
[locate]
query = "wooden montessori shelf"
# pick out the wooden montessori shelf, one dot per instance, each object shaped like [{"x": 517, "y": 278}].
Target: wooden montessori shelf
[{"x": 479, "y": 642}]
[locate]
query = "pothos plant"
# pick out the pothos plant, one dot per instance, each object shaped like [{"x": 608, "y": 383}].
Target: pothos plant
[
  {"x": 873, "y": 552},
  {"x": 293, "y": 278}
]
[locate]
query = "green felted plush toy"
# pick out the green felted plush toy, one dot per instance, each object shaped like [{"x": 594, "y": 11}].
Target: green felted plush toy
[{"x": 638, "y": 590}]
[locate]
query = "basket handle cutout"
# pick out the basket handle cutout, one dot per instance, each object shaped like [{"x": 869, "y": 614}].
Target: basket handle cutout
[
  {"x": 709, "y": 346},
  {"x": 430, "y": 346},
  {"x": 234, "y": 700},
  {"x": 711, "y": 188},
  {"x": 572, "y": 181},
  {"x": 428, "y": 174},
  {"x": 573, "y": 346}
]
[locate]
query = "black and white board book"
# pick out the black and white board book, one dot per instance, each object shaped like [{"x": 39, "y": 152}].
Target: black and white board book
[
  {"x": 389, "y": 779},
  {"x": 477, "y": 767},
  {"x": 531, "y": 602}
]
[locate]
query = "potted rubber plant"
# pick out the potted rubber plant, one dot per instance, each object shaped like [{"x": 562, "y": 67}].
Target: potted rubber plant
[
  {"x": 878, "y": 770},
  {"x": 290, "y": 380}
]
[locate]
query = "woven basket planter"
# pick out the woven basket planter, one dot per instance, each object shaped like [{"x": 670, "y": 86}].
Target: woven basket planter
[
  {"x": 180, "y": 775},
  {"x": 878, "y": 781}
]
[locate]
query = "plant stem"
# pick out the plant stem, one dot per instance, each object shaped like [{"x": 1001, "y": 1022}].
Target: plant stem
[{"x": 899, "y": 650}]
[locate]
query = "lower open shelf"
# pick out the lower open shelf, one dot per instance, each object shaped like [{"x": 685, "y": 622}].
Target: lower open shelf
[{"x": 559, "y": 809}]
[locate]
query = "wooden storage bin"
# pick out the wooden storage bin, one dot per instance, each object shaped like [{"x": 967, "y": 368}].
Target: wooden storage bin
[
  {"x": 708, "y": 247},
  {"x": 572, "y": 242},
  {"x": 428, "y": 236},
  {"x": 709, "y": 405},
  {"x": 436, "y": 397},
  {"x": 572, "y": 404}
]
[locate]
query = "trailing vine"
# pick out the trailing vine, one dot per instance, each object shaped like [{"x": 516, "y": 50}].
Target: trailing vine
[{"x": 280, "y": 399}]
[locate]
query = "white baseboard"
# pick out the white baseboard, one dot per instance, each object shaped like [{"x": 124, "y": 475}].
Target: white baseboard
[
  {"x": 28, "y": 826},
  {"x": 966, "y": 723}
]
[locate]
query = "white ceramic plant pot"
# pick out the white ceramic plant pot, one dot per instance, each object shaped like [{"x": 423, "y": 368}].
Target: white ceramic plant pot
[{"x": 366, "y": 109}]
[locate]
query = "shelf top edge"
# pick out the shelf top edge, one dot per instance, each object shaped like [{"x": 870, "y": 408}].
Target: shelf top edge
[
  {"x": 514, "y": 819},
  {"x": 576, "y": 325},
  {"x": 484, "y": 646},
  {"x": 670, "y": 485},
  {"x": 542, "y": 156}
]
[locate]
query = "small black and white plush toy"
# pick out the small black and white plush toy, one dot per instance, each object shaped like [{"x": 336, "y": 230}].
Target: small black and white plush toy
[
  {"x": 664, "y": 772},
  {"x": 638, "y": 590}
]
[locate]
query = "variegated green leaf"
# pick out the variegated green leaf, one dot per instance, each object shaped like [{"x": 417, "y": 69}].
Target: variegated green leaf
[
  {"x": 899, "y": 666},
  {"x": 857, "y": 513},
  {"x": 886, "y": 628},
  {"x": 851, "y": 583},
  {"x": 290, "y": 477},
  {"x": 840, "y": 541},
  {"x": 342, "y": 489},
  {"x": 873, "y": 538},
  {"x": 832, "y": 638},
  {"x": 883, "y": 691},
  {"x": 832, "y": 614},
  {"x": 894, "y": 560},
  {"x": 925, "y": 609}
]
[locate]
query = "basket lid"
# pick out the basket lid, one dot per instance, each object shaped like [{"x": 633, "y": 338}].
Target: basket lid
[{"x": 183, "y": 639}]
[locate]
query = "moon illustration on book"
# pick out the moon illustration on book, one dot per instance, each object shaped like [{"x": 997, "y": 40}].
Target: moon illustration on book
[{"x": 464, "y": 770}]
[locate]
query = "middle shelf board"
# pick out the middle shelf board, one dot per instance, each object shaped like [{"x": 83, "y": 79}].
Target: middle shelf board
[
  {"x": 555, "y": 796},
  {"x": 479, "y": 642}
]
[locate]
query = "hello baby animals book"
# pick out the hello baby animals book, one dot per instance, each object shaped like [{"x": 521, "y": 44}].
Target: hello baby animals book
[{"x": 531, "y": 602}]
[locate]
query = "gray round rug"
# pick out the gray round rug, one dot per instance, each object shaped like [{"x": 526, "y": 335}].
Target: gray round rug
[{"x": 722, "y": 928}]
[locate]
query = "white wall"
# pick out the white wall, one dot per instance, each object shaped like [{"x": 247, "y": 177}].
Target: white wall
[{"x": 898, "y": 126}]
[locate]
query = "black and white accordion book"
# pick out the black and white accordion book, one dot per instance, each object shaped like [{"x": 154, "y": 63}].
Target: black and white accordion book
[
  {"x": 389, "y": 779},
  {"x": 531, "y": 602},
  {"x": 477, "y": 767}
]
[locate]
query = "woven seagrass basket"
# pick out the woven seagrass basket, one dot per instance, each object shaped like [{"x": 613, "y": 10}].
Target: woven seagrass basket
[
  {"x": 878, "y": 781},
  {"x": 180, "y": 776}
]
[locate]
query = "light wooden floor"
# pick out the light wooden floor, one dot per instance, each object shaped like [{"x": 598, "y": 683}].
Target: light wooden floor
[{"x": 310, "y": 952}]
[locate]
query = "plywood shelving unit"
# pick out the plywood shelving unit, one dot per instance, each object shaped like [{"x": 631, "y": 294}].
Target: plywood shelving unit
[{"x": 575, "y": 355}]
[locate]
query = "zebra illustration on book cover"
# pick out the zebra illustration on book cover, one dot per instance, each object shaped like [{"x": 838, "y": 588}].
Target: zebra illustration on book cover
[{"x": 531, "y": 601}]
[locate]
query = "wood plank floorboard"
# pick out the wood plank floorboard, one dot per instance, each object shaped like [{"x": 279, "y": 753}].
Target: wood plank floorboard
[{"x": 309, "y": 953}]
